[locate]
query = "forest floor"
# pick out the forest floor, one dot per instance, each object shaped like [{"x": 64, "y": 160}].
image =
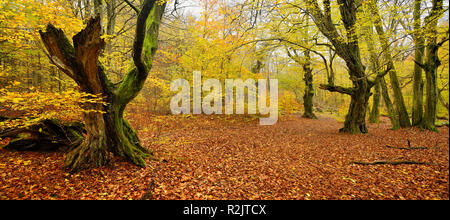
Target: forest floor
[{"x": 215, "y": 157}]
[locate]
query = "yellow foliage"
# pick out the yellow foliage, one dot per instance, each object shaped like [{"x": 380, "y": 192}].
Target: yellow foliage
[
  {"x": 35, "y": 106},
  {"x": 287, "y": 103}
]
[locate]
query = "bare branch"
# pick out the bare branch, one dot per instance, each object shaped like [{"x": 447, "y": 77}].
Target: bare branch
[{"x": 132, "y": 6}]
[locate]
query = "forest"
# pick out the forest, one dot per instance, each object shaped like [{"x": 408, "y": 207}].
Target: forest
[{"x": 134, "y": 100}]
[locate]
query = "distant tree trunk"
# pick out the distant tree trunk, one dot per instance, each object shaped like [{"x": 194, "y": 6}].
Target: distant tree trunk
[
  {"x": 375, "y": 113},
  {"x": 442, "y": 99},
  {"x": 381, "y": 88},
  {"x": 443, "y": 102},
  {"x": 307, "y": 76},
  {"x": 390, "y": 107},
  {"x": 107, "y": 132},
  {"x": 417, "y": 111},
  {"x": 332, "y": 75},
  {"x": 398, "y": 96},
  {"x": 309, "y": 89},
  {"x": 431, "y": 65},
  {"x": 374, "y": 116}
]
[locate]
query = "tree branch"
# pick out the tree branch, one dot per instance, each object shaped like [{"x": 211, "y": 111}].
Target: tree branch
[
  {"x": 80, "y": 60},
  {"x": 380, "y": 76},
  {"x": 339, "y": 89},
  {"x": 60, "y": 50},
  {"x": 144, "y": 48},
  {"x": 132, "y": 6}
]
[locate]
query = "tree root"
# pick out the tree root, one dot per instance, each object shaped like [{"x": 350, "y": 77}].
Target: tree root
[{"x": 91, "y": 154}]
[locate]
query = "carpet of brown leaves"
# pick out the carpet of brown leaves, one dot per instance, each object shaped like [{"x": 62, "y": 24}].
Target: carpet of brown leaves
[{"x": 224, "y": 158}]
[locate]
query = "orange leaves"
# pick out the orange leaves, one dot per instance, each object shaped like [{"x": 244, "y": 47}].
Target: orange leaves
[
  {"x": 295, "y": 159},
  {"x": 208, "y": 158}
]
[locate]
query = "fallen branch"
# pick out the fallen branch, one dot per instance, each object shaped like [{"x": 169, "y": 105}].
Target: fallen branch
[
  {"x": 47, "y": 135},
  {"x": 392, "y": 163},
  {"x": 411, "y": 148}
]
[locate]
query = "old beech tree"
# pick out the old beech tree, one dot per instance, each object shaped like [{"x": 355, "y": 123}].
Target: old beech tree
[
  {"x": 107, "y": 132},
  {"x": 347, "y": 47}
]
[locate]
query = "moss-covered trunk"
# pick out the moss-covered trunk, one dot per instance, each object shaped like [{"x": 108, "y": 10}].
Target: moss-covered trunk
[
  {"x": 389, "y": 106},
  {"x": 309, "y": 89},
  {"x": 94, "y": 150},
  {"x": 402, "y": 111},
  {"x": 429, "y": 119},
  {"x": 375, "y": 112},
  {"x": 107, "y": 132},
  {"x": 355, "y": 121},
  {"x": 418, "y": 85},
  {"x": 431, "y": 65},
  {"x": 126, "y": 142}
]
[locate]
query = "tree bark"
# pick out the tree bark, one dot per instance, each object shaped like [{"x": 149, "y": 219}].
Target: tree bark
[
  {"x": 309, "y": 89},
  {"x": 355, "y": 121},
  {"x": 398, "y": 95},
  {"x": 443, "y": 102},
  {"x": 348, "y": 49},
  {"x": 390, "y": 107},
  {"x": 431, "y": 65},
  {"x": 375, "y": 112},
  {"x": 307, "y": 76},
  {"x": 418, "y": 84},
  {"x": 380, "y": 87},
  {"x": 107, "y": 132}
]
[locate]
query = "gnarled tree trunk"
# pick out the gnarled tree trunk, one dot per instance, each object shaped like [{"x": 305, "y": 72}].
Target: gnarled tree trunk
[
  {"x": 107, "y": 132},
  {"x": 355, "y": 121},
  {"x": 347, "y": 48}
]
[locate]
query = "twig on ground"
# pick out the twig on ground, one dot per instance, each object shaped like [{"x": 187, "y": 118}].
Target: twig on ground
[{"x": 393, "y": 163}]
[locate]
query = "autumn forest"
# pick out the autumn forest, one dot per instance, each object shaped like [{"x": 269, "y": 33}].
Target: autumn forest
[{"x": 224, "y": 100}]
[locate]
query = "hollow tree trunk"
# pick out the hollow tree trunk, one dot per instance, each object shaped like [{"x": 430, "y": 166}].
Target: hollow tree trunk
[{"x": 107, "y": 132}]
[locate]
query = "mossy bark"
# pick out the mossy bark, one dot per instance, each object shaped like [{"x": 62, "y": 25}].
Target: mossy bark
[
  {"x": 418, "y": 84},
  {"x": 309, "y": 89},
  {"x": 355, "y": 121},
  {"x": 107, "y": 132},
  {"x": 375, "y": 112},
  {"x": 347, "y": 47},
  {"x": 431, "y": 65},
  {"x": 390, "y": 107},
  {"x": 402, "y": 111}
]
